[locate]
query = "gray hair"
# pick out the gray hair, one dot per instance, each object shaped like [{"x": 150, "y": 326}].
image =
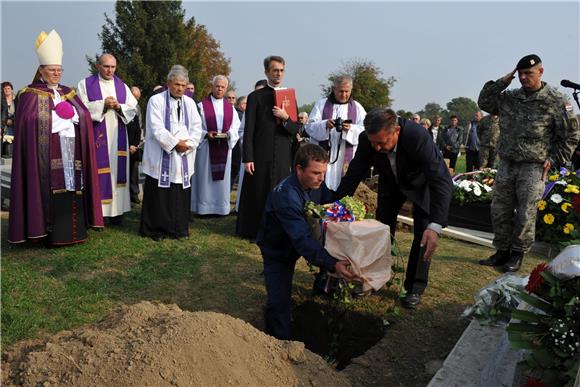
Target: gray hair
[
  {"x": 425, "y": 121},
  {"x": 178, "y": 72},
  {"x": 219, "y": 78},
  {"x": 303, "y": 114},
  {"x": 342, "y": 79}
]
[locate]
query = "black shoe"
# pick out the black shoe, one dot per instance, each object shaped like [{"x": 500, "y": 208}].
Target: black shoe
[
  {"x": 116, "y": 220},
  {"x": 157, "y": 238},
  {"x": 135, "y": 200},
  {"x": 498, "y": 259},
  {"x": 411, "y": 300},
  {"x": 514, "y": 263}
]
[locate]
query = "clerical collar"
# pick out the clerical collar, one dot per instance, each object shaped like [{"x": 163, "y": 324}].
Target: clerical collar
[
  {"x": 274, "y": 87},
  {"x": 335, "y": 102},
  {"x": 214, "y": 98},
  {"x": 103, "y": 79},
  {"x": 175, "y": 98}
]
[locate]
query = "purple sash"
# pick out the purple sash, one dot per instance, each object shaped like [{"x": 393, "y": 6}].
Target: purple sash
[
  {"x": 101, "y": 143},
  {"x": 352, "y": 115},
  {"x": 218, "y": 149},
  {"x": 164, "y": 176}
]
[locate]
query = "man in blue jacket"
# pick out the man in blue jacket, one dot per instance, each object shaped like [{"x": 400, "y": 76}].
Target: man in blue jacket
[{"x": 285, "y": 236}]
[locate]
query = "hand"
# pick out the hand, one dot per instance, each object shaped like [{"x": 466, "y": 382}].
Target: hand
[
  {"x": 249, "y": 167},
  {"x": 342, "y": 269},
  {"x": 181, "y": 146},
  {"x": 449, "y": 148},
  {"x": 110, "y": 102},
  {"x": 509, "y": 76},
  {"x": 211, "y": 135},
  {"x": 280, "y": 113},
  {"x": 9, "y": 122},
  {"x": 132, "y": 149},
  {"x": 547, "y": 165},
  {"x": 430, "y": 239},
  {"x": 346, "y": 126},
  {"x": 329, "y": 124}
]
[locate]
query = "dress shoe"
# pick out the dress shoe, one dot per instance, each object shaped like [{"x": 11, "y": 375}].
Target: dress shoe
[
  {"x": 157, "y": 238},
  {"x": 498, "y": 259},
  {"x": 515, "y": 262},
  {"x": 411, "y": 300},
  {"x": 116, "y": 220},
  {"x": 135, "y": 200}
]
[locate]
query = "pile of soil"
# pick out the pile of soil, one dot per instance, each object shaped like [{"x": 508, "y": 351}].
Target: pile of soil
[
  {"x": 368, "y": 197},
  {"x": 152, "y": 344}
]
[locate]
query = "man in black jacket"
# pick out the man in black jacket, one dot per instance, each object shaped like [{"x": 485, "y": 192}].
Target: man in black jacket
[{"x": 411, "y": 168}]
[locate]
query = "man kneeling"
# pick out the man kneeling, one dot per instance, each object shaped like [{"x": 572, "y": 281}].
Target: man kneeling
[{"x": 285, "y": 236}]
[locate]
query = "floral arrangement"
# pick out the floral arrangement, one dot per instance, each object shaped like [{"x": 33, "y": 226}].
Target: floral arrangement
[
  {"x": 474, "y": 186},
  {"x": 346, "y": 209},
  {"x": 550, "y": 327},
  {"x": 559, "y": 209}
]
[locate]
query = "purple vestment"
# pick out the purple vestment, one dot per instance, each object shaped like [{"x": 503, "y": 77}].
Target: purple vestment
[
  {"x": 352, "y": 115},
  {"x": 218, "y": 148}
]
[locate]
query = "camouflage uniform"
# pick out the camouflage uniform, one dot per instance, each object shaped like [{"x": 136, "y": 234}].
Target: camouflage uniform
[
  {"x": 488, "y": 131},
  {"x": 533, "y": 128}
]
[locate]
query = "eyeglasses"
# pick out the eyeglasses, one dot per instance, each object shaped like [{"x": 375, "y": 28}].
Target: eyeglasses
[
  {"x": 231, "y": 97},
  {"x": 54, "y": 71}
]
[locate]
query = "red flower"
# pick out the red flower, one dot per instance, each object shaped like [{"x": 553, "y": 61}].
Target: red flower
[
  {"x": 533, "y": 382},
  {"x": 576, "y": 203},
  {"x": 536, "y": 280}
]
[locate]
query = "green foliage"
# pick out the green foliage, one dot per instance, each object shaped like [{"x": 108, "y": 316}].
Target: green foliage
[
  {"x": 404, "y": 114},
  {"x": 431, "y": 110},
  {"x": 370, "y": 89},
  {"x": 148, "y": 37},
  {"x": 307, "y": 107},
  {"x": 474, "y": 187},
  {"x": 464, "y": 108}
]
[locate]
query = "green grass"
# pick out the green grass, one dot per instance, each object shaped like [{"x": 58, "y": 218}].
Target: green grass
[{"x": 48, "y": 290}]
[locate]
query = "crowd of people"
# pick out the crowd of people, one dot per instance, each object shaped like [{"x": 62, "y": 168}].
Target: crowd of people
[{"x": 76, "y": 159}]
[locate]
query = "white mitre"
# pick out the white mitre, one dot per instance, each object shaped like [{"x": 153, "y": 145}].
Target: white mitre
[{"x": 49, "y": 48}]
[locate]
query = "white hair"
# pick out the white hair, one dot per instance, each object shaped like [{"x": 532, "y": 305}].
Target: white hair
[
  {"x": 178, "y": 72},
  {"x": 219, "y": 78}
]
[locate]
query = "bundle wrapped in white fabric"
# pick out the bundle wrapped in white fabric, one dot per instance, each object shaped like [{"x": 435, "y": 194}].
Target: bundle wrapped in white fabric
[{"x": 366, "y": 244}]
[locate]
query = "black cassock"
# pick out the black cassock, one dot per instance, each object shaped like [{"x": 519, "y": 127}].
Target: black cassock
[{"x": 269, "y": 146}]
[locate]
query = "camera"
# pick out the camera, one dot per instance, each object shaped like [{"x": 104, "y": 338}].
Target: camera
[{"x": 338, "y": 124}]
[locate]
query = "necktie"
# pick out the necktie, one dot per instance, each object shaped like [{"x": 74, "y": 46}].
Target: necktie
[{"x": 178, "y": 110}]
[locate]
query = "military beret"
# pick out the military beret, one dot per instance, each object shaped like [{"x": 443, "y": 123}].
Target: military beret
[{"x": 528, "y": 61}]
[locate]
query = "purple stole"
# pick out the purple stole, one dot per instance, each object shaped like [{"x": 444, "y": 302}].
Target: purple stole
[
  {"x": 218, "y": 149},
  {"x": 352, "y": 115},
  {"x": 101, "y": 144},
  {"x": 164, "y": 177}
]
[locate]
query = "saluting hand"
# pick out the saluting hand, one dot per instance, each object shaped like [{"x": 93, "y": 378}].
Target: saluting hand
[{"x": 509, "y": 76}]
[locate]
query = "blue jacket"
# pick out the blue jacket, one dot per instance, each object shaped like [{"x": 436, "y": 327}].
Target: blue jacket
[{"x": 284, "y": 234}]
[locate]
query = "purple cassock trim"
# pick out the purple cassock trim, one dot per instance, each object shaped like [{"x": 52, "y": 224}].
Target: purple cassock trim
[
  {"x": 164, "y": 176},
  {"x": 352, "y": 115},
  {"x": 218, "y": 149},
  {"x": 101, "y": 143}
]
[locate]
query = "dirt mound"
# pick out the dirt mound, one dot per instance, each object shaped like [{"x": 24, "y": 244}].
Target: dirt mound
[
  {"x": 368, "y": 197},
  {"x": 151, "y": 344}
]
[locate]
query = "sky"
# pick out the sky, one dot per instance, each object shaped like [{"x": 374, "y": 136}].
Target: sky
[{"x": 435, "y": 50}]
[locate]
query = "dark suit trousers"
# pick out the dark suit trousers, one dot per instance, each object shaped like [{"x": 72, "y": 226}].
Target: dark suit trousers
[
  {"x": 278, "y": 314},
  {"x": 134, "y": 179},
  {"x": 451, "y": 156},
  {"x": 471, "y": 160},
  {"x": 417, "y": 274}
]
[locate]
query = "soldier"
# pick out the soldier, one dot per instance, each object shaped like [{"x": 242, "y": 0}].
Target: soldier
[
  {"x": 488, "y": 131},
  {"x": 538, "y": 130}
]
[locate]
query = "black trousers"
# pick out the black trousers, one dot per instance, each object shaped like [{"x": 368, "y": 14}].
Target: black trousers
[
  {"x": 134, "y": 179},
  {"x": 236, "y": 162},
  {"x": 472, "y": 161},
  {"x": 417, "y": 274},
  {"x": 451, "y": 156},
  {"x": 278, "y": 314},
  {"x": 165, "y": 211}
]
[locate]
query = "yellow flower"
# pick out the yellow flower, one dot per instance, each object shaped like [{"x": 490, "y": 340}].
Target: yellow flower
[
  {"x": 565, "y": 207},
  {"x": 553, "y": 177},
  {"x": 571, "y": 188},
  {"x": 542, "y": 205},
  {"x": 549, "y": 218},
  {"x": 568, "y": 228}
]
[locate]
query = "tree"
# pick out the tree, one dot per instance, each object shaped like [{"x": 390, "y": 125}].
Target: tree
[
  {"x": 147, "y": 38},
  {"x": 430, "y": 111},
  {"x": 405, "y": 114},
  {"x": 464, "y": 108},
  {"x": 307, "y": 107},
  {"x": 369, "y": 88}
]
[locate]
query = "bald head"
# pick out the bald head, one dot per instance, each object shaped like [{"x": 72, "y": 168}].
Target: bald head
[
  {"x": 107, "y": 66},
  {"x": 136, "y": 92}
]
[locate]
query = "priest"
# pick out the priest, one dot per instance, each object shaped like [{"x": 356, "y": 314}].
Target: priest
[
  {"x": 267, "y": 148},
  {"x": 171, "y": 139},
  {"x": 213, "y": 161},
  {"x": 112, "y": 107},
  {"x": 54, "y": 189},
  {"x": 339, "y": 139}
]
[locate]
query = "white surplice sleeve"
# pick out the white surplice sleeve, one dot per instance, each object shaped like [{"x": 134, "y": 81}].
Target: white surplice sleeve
[{"x": 156, "y": 125}]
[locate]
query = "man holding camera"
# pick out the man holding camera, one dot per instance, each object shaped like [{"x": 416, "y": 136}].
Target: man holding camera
[{"x": 335, "y": 124}]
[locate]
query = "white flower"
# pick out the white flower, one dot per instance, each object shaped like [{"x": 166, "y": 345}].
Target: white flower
[
  {"x": 556, "y": 198},
  {"x": 562, "y": 182},
  {"x": 477, "y": 191},
  {"x": 487, "y": 188}
]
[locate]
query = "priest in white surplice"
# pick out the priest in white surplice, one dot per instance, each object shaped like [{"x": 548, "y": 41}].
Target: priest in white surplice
[
  {"x": 112, "y": 106},
  {"x": 213, "y": 162},
  {"x": 171, "y": 139},
  {"x": 321, "y": 128}
]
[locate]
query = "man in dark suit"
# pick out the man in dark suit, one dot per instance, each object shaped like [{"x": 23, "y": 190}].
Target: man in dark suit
[
  {"x": 135, "y": 135},
  {"x": 410, "y": 167},
  {"x": 267, "y": 149}
]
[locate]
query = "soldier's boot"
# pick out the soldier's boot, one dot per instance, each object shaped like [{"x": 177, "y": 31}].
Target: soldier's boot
[
  {"x": 515, "y": 261},
  {"x": 498, "y": 259}
]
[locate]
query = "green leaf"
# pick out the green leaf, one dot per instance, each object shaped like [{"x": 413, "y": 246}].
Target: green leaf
[
  {"x": 549, "y": 277},
  {"x": 524, "y": 315},
  {"x": 536, "y": 302},
  {"x": 527, "y": 328}
]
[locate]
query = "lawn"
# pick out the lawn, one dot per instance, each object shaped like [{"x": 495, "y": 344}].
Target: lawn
[{"x": 48, "y": 290}]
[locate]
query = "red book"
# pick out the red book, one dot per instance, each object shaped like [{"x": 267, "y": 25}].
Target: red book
[{"x": 286, "y": 99}]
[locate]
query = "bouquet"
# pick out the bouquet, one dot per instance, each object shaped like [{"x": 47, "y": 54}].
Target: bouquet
[
  {"x": 476, "y": 186},
  {"x": 559, "y": 210}
]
